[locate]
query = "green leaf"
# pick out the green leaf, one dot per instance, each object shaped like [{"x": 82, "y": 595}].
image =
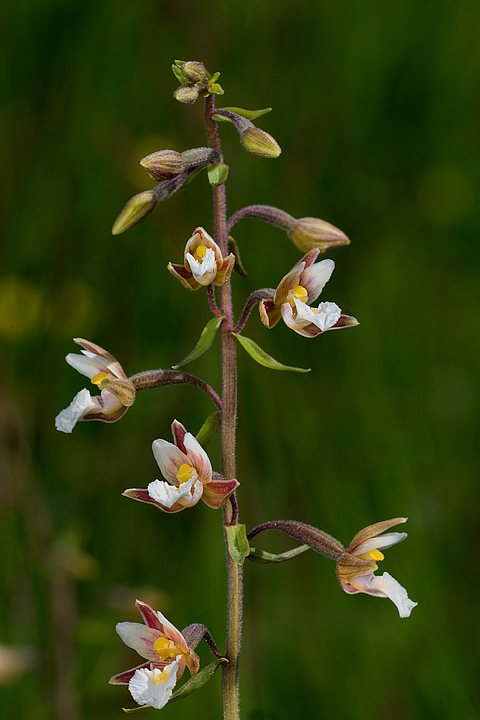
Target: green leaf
[
  {"x": 209, "y": 428},
  {"x": 249, "y": 114},
  {"x": 197, "y": 681},
  {"x": 206, "y": 339},
  {"x": 261, "y": 556},
  {"x": 261, "y": 357},
  {"x": 217, "y": 174},
  {"x": 233, "y": 248},
  {"x": 237, "y": 543},
  {"x": 140, "y": 707}
]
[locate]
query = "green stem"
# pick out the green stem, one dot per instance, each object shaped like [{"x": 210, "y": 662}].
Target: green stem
[{"x": 231, "y": 709}]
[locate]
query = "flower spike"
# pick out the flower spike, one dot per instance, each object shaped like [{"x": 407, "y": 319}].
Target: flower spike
[
  {"x": 187, "y": 468},
  {"x": 118, "y": 392}
]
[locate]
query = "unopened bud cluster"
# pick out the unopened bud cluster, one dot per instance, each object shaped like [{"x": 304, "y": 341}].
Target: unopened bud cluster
[{"x": 194, "y": 80}]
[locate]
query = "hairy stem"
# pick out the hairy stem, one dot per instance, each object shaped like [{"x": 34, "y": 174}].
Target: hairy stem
[{"x": 231, "y": 710}]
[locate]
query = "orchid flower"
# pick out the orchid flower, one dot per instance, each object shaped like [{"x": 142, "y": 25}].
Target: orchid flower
[
  {"x": 186, "y": 467},
  {"x": 301, "y": 286},
  {"x": 204, "y": 263},
  {"x": 356, "y": 566},
  {"x": 117, "y": 391},
  {"x": 166, "y": 652}
]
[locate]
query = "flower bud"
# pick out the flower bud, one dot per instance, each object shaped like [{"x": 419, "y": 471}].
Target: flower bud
[
  {"x": 258, "y": 142},
  {"x": 186, "y": 94},
  {"x": 199, "y": 156},
  {"x": 193, "y": 71},
  {"x": 163, "y": 165},
  {"x": 309, "y": 233},
  {"x": 136, "y": 210}
]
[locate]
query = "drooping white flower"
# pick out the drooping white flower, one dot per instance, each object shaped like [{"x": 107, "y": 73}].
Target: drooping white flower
[
  {"x": 104, "y": 371},
  {"x": 356, "y": 566}
]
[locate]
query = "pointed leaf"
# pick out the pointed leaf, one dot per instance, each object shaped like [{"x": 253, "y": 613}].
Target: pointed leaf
[
  {"x": 261, "y": 556},
  {"x": 209, "y": 428},
  {"x": 206, "y": 339},
  {"x": 261, "y": 357},
  {"x": 249, "y": 114},
  {"x": 233, "y": 248},
  {"x": 197, "y": 681},
  {"x": 178, "y": 74},
  {"x": 237, "y": 543},
  {"x": 140, "y": 707}
]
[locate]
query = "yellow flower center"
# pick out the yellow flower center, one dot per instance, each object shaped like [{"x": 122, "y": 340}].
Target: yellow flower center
[
  {"x": 298, "y": 293},
  {"x": 372, "y": 555},
  {"x": 97, "y": 379},
  {"x": 200, "y": 252},
  {"x": 185, "y": 473},
  {"x": 164, "y": 648},
  {"x": 160, "y": 677}
]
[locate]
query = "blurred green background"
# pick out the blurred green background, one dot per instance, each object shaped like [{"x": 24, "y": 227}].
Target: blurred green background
[{"x": 377, "y": 109}]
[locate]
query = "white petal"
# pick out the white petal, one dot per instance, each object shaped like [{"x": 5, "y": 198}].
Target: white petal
[
  {"x": 153, "y": 687},
  {"x": 398, "y": 595},
  {"x": 87, "y": 364},
  {"x": 386, "y": 586},
  {"x": 168, "y": 495},
  {"x": 203, "y": 272},
  {"x": 327, "y": 315},
  {"x": 381, "y": 541},
  {"x": 305, "y": 314},
  {"x": 81, "y": 405}
]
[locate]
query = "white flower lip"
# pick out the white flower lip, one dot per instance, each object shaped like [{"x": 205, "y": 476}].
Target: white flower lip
[
  {"x": 203, "y": 272},
  {"x": 81, "y": 404},
  {"x": 168, "y": 495},
  {"x": 153, "y": 687}
]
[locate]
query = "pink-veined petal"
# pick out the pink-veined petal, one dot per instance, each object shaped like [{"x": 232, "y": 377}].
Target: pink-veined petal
[
  {"x": 179, "y": 432},
  {"x": 140, "y": 638},
  {"x": 288, "y": 283},
  {"x": 169, "y": 459},
  {"x": 314, "y": 278},
  {"x": 197, "y": 458}
]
